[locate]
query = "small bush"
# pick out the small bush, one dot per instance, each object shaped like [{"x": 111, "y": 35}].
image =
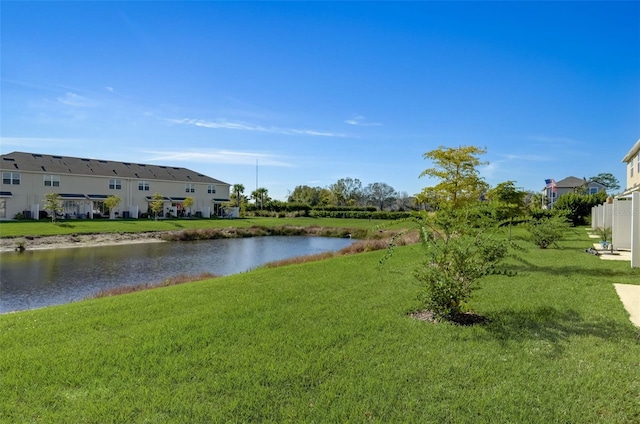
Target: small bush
[
  {"x": 459, "y": 250},
  {"x": 547, "y": 231},
  {"x": 451, "y": 269},
  {"x": 604, "y": 233}
]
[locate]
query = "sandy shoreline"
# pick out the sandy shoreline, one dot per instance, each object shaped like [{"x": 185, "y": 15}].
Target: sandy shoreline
[{"x": 78, "y": 240}]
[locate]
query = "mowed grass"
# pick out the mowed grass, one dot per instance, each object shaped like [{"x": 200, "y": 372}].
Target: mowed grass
[
  {"x": 332, "y": 341},
  {"x": 85, "y": 226}
]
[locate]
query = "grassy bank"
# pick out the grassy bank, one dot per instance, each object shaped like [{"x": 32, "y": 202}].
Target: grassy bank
[
  {"x": 83, "y": 226},
  {"x": 331, "y": 341}
]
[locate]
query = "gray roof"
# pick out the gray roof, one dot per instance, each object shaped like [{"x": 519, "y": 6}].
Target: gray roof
[
  {"x": 570, "y": 182},
  {"x": 573, "y": 182},
  {"x": 34, "y": 162}
]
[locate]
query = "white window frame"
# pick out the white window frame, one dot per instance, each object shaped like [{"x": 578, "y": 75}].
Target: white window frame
[
  {"x": 115, "y": 184},
  {"x": 143, "y": 186},
  {"x": 11, "y": 178},
  {"x": 52, "y": 180},
  {"x": 211, "y": 189},
  {"x": 189, "y": 188}
]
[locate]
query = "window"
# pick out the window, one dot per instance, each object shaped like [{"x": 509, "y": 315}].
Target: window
[
  {"x": 630, "y": 169},
  {"x": 115, "y": 184},
  {"x": 189, "y": 188},
  {"x": 593, "y": 190},
  {"x": 52, "y": 180},
  {"x": 143, "y": 185},
  {"x": 11, "y": 178},
  {"x": 211, "y": 189}
]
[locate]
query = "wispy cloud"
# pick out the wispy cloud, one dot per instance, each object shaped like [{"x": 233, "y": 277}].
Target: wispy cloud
[
  {"x": 75, "y": 100},
  {"x": 361, "y": 121},
  {"x": 552, "y": 140},
  {"x": 529, "y": 158},
  {"x": 229, "y": 157},
  {"x": 497, "y": 167},
  {"x": 242, "y": 126}
]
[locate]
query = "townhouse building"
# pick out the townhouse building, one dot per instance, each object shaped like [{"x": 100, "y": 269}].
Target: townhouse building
[{"x": 83, "y": 184}]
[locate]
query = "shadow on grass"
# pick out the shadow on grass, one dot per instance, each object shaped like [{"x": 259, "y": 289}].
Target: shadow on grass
[
  {"x": 571, "y": 270},
  {"x": 553, "y": 326},
  {"x": 64, "y": 225}
]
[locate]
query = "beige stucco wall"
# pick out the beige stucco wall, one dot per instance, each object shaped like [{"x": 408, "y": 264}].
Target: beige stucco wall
[
  {"x": 30, "y": 193},
  {"x": 633, "y": 172}
]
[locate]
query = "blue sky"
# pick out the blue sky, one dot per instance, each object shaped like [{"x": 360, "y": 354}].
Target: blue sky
[{"x": 318, "y": 91}]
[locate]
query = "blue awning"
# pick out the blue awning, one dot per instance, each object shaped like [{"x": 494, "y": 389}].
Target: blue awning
[
  {"x": 97, "y": 196},
  {"x": 5, "y": 194},
  {"x": 72, "y": 196}
]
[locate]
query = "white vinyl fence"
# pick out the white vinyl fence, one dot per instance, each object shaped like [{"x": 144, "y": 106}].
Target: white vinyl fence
[{"x": 623, "y": 217}]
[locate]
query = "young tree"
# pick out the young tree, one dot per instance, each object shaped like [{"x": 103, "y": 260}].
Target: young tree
[
  {"x": 534, "y": 201},
  {"x": 53, "y": 204},
  {"x": 459, "y": 249},
  {"x": 508, "y": 201},
  {"x": 187, "y": 203},
  {"x": 156, "y": 204},
  {"x": 456, "y": 168},
  {"x": 112, "y": 202},
  {"x": 608, "y": 180}
]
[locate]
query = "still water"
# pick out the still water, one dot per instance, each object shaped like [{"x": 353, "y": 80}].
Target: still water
[{"x": 37, "y": 278}]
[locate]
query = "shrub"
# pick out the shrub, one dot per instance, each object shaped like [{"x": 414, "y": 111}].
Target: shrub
[
  {"x": 547, "y": 231},
  {"x": 451, "y": 269},
  {"x": 577, "y": 206},
  {"x": 604, "y": 233},
  {"x": 457, "y": 255}
]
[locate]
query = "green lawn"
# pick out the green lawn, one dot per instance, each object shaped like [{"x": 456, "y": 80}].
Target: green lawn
[
  {"x": 331, "y": 341},
  {"x": 84, "y": 226}
]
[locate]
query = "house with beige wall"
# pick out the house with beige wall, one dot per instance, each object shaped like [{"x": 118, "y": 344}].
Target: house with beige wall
[
  {"x": 632, "y": 159},
  {"x": 83, "y": 185}
]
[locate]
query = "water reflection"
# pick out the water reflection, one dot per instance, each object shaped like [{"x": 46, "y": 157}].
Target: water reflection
[{"x": 37, "y": 278}]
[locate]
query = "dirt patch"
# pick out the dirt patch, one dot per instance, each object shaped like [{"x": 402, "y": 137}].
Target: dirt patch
[
  {"x": 467, "y": 318},
  {"x": 77, "y": 240}
]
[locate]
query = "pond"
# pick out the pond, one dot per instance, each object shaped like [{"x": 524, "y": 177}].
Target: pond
[{"x": 37, "y": 278}]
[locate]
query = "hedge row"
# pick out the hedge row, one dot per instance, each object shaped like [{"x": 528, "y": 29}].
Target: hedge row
[{"x": 358, "y": 214}]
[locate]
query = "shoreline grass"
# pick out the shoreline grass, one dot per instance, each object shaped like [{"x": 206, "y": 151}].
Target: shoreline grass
[
  {"x": 171, "y": 281},
  {"x": 333, "y": 341},
  {"x": 13, "y": 229}
]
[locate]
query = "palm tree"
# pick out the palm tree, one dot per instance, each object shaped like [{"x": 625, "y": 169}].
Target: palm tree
[
  {"x": 238, "y": 189},
  {"x": 260, "y": 195}
]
